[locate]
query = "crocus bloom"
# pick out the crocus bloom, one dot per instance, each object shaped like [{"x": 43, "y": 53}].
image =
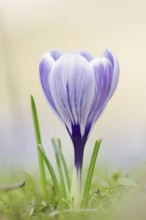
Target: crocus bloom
[{"x": 78, "y": 86}]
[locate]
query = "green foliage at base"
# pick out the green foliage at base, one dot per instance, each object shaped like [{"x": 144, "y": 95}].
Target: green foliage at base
[{"x": 111, "y": 195}]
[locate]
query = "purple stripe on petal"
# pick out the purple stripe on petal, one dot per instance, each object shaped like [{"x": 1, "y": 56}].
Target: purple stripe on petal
[
  {"x": 71, "y": 82},
  {"x": 115, "y": 77},
  {"x": 108, "y": 54},
  {"x": 102, "y": 71},
  {"x": 106, "y": 76}
]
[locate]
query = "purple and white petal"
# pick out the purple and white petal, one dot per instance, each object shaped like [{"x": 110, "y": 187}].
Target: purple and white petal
[
  {"x": 102, "y": 72},
  {"x": 46, "y": 63},
  {"x": 112, "y": 59},
  {"x": 78, "y": 87},
  {"x": 56, "y": 54},
  {"x": 86, "y": 55},
  {"x": 71, "y": 85}
]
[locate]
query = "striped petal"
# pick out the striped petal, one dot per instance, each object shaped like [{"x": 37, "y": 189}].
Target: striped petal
[
  {"x": 115, "y": 76},
  {"x": 106, "y": 70},
  {"x": 45, "y": 66},
  {"x": 72, "y": 89}
]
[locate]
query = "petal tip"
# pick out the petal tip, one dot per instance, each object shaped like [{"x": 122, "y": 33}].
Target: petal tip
[{"x": 56, "y": 54}]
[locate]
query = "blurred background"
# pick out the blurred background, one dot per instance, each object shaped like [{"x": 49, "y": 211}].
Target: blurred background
[{"x": 32, "y": 27}]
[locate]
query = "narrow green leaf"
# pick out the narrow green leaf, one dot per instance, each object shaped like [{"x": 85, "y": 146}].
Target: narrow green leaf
[
  {"x": 62, "y": 168},
  {"x": 49, "y": 166},
  {"x": 39, "y": 142},
  {"x": 90, "y": 172},
  {"x": 52, "y": 174},
  {"x": 63, "y": 189}
]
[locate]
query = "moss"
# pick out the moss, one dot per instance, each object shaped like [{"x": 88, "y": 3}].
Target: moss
[{"x": 106, "y": 198}]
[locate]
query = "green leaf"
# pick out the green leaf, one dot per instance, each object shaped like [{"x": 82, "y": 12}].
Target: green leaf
[
  {"x": 62, "y": 168},
  {"x": 66, "y": 173},
  {"x": 50, "y": 168},
  {"x": 59, "y": 166},
  {"x": 90, "y": 172},
  {"x": 126, "y": 181},
  {"x": 39, "y": 142}
]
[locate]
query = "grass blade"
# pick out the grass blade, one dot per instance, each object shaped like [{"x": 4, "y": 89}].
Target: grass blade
[
  {"x": 49, "y": 166},
  {"x": 63, "y": 188},
  {"x": 90, "y": 172},
  {"x": 52, "y": 174},
  {"x": 62, "y": 168},
  {"x": 39, "y": 142}
]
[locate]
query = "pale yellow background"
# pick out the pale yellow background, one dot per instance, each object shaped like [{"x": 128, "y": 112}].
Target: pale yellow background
[{"x": 31, "y": 27}]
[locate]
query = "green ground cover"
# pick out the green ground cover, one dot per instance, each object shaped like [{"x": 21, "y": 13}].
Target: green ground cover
[{"x": 112, "y": 196}]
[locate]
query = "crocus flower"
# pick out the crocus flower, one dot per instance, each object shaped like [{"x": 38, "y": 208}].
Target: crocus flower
[{"x": 78, "y": 86}]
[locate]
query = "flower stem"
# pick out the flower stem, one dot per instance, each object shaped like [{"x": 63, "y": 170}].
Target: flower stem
[
  {"x": 75, "y": 192},
  {"x": 39, "y": 143}
]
